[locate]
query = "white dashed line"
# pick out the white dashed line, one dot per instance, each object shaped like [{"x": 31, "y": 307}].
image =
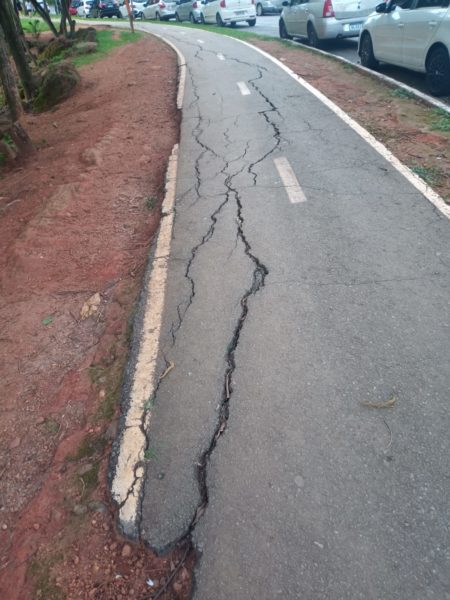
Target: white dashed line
[
  {"x": 290, "y": 181},
  {"x": 243, "y": 88},
  {"x": 221, "y": 57}
]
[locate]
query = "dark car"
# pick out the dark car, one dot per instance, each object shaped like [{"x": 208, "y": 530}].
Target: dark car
[{"x": 105, "y": 8}]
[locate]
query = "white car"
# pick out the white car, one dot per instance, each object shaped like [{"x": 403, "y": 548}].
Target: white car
[
  {"x": 189, "y": 10},
  {"x": 319, "y": 20},
  {"x": 84, "y": 8},
  {"x": 229, "y": 12},
  {"x": 411, "y": 33},
  {"x": 136, "y": 8},
  {"x": 159, "y": 10}
]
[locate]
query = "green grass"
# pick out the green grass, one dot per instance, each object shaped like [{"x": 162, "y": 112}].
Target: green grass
[
  {"x": 29, "y": 24},
  {"x": 107, "y": 41},
  {"x": 91, "y": 445},
  {"x": 402, "y": 93},
  {"x": 430, "y": 175},
  {"x": 440, "y": 120}
]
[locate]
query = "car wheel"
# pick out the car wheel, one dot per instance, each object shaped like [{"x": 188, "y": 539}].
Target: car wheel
[
  {"x": 313, "y": 40},
  {"x": 438, "y": 72},
  {"x": 202, "y": 19},
  {"x": 158, "y": 17},
  {"x": 177, "y": 17},
  {"x": 219, "y": 21},
  {"x": 191, "y": 18},
  {"x": 251, "y": 22},
  {"x": 259, "y": 10},
  {"x": 366, "y": 52},
  {"x": 283, "y": 31},
  {"x": 143, "y": 17},
  {"x": 233, "y": 24}
]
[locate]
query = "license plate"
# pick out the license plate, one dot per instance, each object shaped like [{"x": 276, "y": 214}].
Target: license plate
[
  {"x": 240, "y": 12},
  {"x": 352, "y": 27}
]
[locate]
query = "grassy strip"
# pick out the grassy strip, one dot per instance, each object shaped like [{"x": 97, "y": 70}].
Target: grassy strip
[{"x": 107, "y": 40}]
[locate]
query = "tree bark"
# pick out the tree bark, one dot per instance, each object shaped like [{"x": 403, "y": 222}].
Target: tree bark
[
  {"x": 45, "y": 15},
  {"x": 8, "y": 80},
  {"x": 66, "y": 16},
  {"x": 7, "y": 21}
]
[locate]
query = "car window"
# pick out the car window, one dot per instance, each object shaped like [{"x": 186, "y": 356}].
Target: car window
[
  {"x": 404, "y": 4},
  {"x": 295, "y": 2}
]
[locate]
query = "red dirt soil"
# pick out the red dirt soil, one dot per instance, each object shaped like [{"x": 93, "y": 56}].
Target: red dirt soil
[{"x": 76, "y": 220}]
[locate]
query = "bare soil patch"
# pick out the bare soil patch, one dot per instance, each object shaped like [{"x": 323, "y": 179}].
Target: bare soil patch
[
  {"x": 76, "y": 224},
  {"x": 416, "y": 134}
]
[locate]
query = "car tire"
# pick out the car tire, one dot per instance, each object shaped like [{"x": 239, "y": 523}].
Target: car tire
[
  {"x": 283, "y": 31},
  {"x": 259, "y": 10},
  {"x": 158, "y": 17},
  {"x": 251, "y": 22},
  {"x": 233, "y": 24},
  {"x": 202, "y": 19},
  {"x": 143, "y": 17},
  {"x": 313, "y": 39},
  {"x": 177, "y": 18},
  {"x": 219, "y": 21},
  {"x": 366, "y": 54},
  {"x": 192, "y": 18},
  {"x": 438, "y": 72}
]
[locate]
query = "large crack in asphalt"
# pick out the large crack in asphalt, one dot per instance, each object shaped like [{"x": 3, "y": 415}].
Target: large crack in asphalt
[{"x": 260, "y": 272}]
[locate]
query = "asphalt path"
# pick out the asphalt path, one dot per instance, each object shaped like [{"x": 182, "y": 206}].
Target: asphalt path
[{"x": 307, "y": 287}]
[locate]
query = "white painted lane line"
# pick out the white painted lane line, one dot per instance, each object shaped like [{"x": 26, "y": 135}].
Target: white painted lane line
[
  {"x": 200, "y": 41},
  {"x": 243, "y": 88},
  {"x": 290, "y": 181},
  {"x": 221, "y": 57}
]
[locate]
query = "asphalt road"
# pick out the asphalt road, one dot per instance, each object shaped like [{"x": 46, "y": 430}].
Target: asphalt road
[{"x": 287, "y": 309}]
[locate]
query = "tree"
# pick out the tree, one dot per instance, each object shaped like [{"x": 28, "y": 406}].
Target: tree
[
  {"x": 45, "y": 15},
  {"x": 10, "y": 122},
  {"x": 19, "y": 54}
]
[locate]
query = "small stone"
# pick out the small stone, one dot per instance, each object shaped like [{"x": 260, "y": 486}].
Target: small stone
[
  {"x": 79, "y": 509},
  {"x": 40, "y": 420},
  {"x": 85, "y": 469},
  {"x": 126, "y": 551},
  {"x": 15, "y": 443},
  {"x": 4, "y": 526},
  {"x": 76, "y": 559},
  {"x": 102, "y": 394},
  {"x": 113, "y": 546},
  {"x": 97, "y": 506},
  {"x": 36, "y": 526}
]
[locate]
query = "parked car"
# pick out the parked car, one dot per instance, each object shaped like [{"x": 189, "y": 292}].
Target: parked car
[
  {"x": 159, "y": 10},
  {"x": 105, "y": 8},
  {"x": 268, "y": 7},
  {"x": 229, "y": 12},
  {"x": 135, "y": 6},
  {"x": 319, "y": 20},
  {"x": 84, "y": 8},
  {"x": 189, "y": 10},
  {"x": 73, "y": 7},
  {"x": 414, "y": 34}
]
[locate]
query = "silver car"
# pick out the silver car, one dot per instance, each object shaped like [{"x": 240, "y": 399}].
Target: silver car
[
  {"x": 159, "y": 10},
  {"x": 319, "y": 20},
  {"x": 268, "y": 7},
  {"x": 189, "y": 10}
]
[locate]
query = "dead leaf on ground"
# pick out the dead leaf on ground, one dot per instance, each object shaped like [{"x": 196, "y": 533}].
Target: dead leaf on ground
[
  {"x": 91, "y": 306},
  {"x": 387, "y": 404}
]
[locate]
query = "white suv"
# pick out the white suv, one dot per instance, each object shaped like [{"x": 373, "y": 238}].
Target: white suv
[
  {"x": 410, "y": 33},
  {"x": 320, "y": 20},
  {"x": 229, "y": 12}
]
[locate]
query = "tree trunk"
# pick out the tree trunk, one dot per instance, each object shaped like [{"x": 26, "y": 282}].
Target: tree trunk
[
  {"x": 45, "y": 15},
  {"x": 7, "y": 21},
  {"x": 66, "y": 16},
  {"x": 8, "y": 80}
]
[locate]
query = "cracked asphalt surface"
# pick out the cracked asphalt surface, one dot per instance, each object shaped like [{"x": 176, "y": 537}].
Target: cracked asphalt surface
[{"x": 281, "y": 320}]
